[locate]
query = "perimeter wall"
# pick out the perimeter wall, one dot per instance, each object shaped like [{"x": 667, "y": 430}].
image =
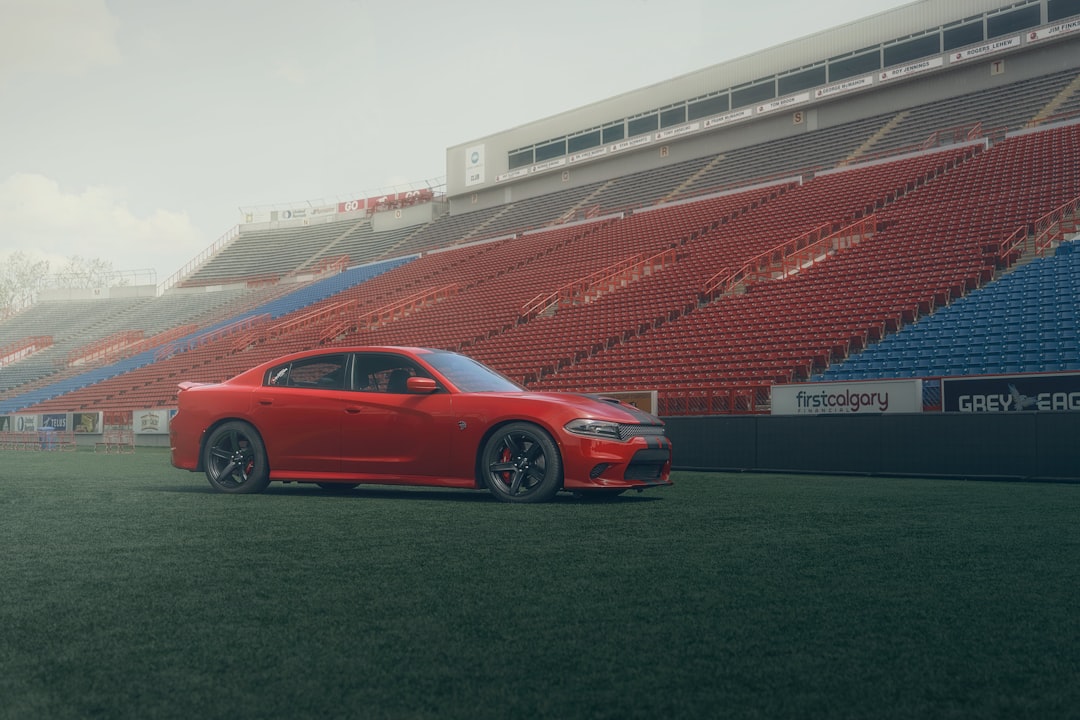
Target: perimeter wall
[{"x": 1018, "y": 445}]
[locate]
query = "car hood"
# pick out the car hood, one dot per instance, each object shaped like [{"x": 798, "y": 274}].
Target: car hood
[{"x": 591, "y": 406}]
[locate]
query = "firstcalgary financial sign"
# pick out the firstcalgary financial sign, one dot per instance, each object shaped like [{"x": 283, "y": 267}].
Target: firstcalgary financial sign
[{"x": 882, "y": 396}]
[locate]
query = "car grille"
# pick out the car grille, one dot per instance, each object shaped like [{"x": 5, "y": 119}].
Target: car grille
[
  {"x": 647, "y": 465},
  {"x": 628, "y": 431}
]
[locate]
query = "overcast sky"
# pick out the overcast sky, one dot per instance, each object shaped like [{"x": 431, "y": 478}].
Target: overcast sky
[{"x": 133, "y": 130}]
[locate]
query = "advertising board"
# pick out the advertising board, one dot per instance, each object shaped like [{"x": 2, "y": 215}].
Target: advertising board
[
  {"x": 874, "y": 396},
  {"x": 1011, "y": 393}
]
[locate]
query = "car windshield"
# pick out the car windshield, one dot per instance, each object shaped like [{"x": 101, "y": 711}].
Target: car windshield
[{"x": 469, "y": 375}]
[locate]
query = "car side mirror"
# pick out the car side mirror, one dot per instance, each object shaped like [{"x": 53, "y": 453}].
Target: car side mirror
[{"x": 421, "y": 385}]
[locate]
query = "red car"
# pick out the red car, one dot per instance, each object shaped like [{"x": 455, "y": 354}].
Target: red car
[{"x": 340, "y": 417}]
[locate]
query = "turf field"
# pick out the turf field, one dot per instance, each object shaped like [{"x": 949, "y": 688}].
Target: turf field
[{"x": 129, "y": 590}]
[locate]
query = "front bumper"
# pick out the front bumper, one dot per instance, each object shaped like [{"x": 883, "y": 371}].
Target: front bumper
[{"x": 638, "y": 463}]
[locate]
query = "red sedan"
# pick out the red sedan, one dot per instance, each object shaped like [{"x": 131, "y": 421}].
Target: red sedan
[{"x": 340, "y": 417}]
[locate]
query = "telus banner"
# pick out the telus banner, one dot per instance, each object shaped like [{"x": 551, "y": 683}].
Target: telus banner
[
  {"x": 1011, "y": 393},
  {"x": 873, "y": 396}
]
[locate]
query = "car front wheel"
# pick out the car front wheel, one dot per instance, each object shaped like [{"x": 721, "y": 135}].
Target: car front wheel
[
  {"x": 521, "y": 464},
  {"x": 234, "y": 458}
]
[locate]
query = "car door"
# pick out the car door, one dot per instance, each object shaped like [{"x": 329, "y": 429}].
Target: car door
[
  {"x": 390, "y": 433},
  {"x": 299, "y": 410}
]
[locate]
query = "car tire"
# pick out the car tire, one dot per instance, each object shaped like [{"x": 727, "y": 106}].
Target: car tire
[
  {"x": 521, "y": 464},
  {"x": 234, "y": 459}
]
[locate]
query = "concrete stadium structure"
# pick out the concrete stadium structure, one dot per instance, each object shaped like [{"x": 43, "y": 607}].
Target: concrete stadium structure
[{"x": 919, "y": 53}]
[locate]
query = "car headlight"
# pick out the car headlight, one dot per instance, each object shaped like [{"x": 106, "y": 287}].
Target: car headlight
[{"x": 594, "y": 428}]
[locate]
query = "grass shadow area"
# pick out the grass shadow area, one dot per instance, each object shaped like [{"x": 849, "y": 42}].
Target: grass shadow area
[{"x": 130, "y": 589}]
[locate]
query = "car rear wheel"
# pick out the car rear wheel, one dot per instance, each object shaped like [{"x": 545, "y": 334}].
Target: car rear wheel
[
  {"x": 235, "y": 459},
  {"x": 521, "y": 464}
]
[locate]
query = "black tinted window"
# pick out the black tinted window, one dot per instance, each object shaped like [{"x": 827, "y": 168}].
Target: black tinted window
[
  {"x": 385, "y": 372},
  {"x": 325, "y": 371}
]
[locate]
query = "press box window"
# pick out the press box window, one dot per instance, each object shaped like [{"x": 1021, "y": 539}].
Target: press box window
[
  {"x": 674, "y": 116},
  {"x": 1061, "y": 9},
  {"x": 708, "y": 107},
  {"x": 1010, "y": 22},
  {"x": 801, "y": 81},
  {"x": 521, "y": 159},
  {"x": 753, "y": 95},
  {"x": 583, "y": 142},
  {"x": 854, "y": 66},
  {"x": 551, "y": 150},
  {"x": 642, "y": 125},
  {"x": 912, "y": 50},
  {"x": 614, "y": 133},
  {"x": 962, "y": 35}
]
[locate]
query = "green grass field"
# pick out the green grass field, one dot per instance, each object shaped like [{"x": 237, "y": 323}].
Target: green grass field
[{"x": 130, "y": 589}]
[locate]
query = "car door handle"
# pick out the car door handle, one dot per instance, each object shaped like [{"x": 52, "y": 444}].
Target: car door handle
[
  {"x": 266, "y": 401},
  {"x": 354, "y": 410}
]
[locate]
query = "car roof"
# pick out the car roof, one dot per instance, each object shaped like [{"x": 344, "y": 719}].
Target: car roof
[{"x": 362, "y": 349}]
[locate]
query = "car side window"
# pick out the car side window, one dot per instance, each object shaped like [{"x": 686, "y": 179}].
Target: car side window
[
  {"x": 321, "y": 371},
  {"x": 385, "y": 373},
  {"x": 395, "y": 380},
  {"x": 277, "y": 376}
]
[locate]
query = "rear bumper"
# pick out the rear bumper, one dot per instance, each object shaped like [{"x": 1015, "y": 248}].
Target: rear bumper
[{"x": 183, "y": 453}]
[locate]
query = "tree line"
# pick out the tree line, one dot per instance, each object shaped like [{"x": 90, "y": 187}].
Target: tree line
[{"x": 22, "y": 278}]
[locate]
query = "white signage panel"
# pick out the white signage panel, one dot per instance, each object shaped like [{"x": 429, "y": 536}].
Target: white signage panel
[
  {"x": 848, "y": 398},
  {"x": 474, "y": 165}
]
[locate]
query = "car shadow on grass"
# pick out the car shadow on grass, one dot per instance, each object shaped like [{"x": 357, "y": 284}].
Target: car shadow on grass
[{"x": 390, "y": 492}]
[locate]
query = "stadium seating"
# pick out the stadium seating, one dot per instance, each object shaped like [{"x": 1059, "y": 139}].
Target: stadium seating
[
  {"x": 834, "y": 199},
  {"x": 1024, "y": 322},
  {"x": 622, "y": 284},
  {"x": 28, "y": 394}
]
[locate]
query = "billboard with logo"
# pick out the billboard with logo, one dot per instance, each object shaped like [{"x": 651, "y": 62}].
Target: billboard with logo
[
  {"x": 24, "y": 423},
  {"x": 56, "y": 421},
  {"x": 150, "y": 422},
  {"x": 875, "y": 396},
  {"x": 474, "y": 165},
  {"x": 88, "y": 423},
  {"x": 1011, "y": 393}
]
